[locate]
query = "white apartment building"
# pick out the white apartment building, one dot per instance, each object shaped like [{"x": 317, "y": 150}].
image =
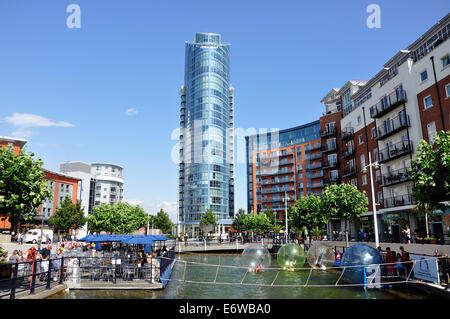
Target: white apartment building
[{"x": 109, "y": 185}]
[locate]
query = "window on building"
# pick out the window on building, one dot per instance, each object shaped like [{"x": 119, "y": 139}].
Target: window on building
[
  {"x": 360, "y": 139},
  {"x": 380, "y": 197},
  {"x": 358, "y": 119},
  {"x": 445, "y": 61},
  {"x": 427, "y": 102},
  {"x": 363, "y": 160},
  {"x": 431, "y": 129},
  {"x": 374, "y": 132},
  {"x": 423, "y": 76},
  {"x": 447, "y": 90},
  {"x": 364, "y": 179},
  {"x": 330, "y": 127}
]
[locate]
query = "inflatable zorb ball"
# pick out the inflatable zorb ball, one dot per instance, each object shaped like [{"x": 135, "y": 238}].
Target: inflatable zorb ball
[
  {"x": 320, "y": 256},
  {"x": 360, "y": 255},
  {"x": 291, "y": 256},
  {"x": 255, "y": 256}
]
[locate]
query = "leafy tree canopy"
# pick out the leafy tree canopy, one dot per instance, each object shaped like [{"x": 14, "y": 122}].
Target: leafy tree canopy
[
  {"x": 430, "y": 171},
  {"x": 238, "y": 220},
  {"x": 121, "y": 218},
  {"x": 162, "y": 221},
  {"x": 208, "y": 218},
  {"x": 68, "y": 216},
  {"x": 308, "y": 212},
  {"x": 22, "y": 185}
]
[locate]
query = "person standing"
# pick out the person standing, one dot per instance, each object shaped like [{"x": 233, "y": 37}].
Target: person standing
[
  {"x": 389, "y": 261},
  {"x": 407, "y": 233}
]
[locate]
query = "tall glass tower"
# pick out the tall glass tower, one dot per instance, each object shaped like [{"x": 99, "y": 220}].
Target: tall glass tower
[{"x": 206, "y": 171}]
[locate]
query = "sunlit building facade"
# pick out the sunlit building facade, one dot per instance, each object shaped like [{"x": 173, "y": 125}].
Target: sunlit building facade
[{"x": 206, "y": 172}]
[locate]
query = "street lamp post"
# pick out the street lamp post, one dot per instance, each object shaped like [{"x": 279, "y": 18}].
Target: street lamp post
[
  {"x": 285, "y": 199},
  {"x": 374, "y": 208}
]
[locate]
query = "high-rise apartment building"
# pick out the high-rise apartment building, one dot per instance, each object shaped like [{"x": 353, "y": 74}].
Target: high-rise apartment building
[
  {"x": 282, "y": 164},
  {"x": 383, "y": 120},
  {"x": 206, "y": 170}
]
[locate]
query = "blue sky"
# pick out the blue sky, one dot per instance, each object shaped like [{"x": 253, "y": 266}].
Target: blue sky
[{"x": 68, "y": 90}]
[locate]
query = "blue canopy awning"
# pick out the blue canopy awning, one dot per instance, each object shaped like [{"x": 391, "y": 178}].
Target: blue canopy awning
[
  {"x": 87, "y": 238},
  {"x": 126, "y": 239}
]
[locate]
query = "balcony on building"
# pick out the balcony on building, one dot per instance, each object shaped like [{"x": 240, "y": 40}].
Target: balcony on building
[
  {"x": 315, "y": 156},
  {"x": 349, "y": 153},
  {"x": 317, "y": 185},
  {"x": 388, "y": 103},
  {"x": 283, "y": 170},
  {"x": 331, "y": 180},
  {"x": 315, "y": 165},
  {"x": 396, "y": 150},
  {"x": 328, "y": 132},
  {"x": 317, "y": 175},
  {"x": 400, "y": 200},
  {"x": 395, "y": 177},
  {"x": 277, "y": 181},
  {"x": 349, "y": 171},
  {"x": 278, "y": 190},
  {"x": 329, "y": 147},
  {"x": 347, "y": 133},
  {"x": 392, "y": 126},
  {"x": 314, "y": 147},
  {"x": 330, "y": 164}
]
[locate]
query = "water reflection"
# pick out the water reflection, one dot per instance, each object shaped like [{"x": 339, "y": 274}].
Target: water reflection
[{"x": 256, "y": 285}]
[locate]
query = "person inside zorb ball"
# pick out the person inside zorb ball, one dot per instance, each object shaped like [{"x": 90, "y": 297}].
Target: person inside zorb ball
[
  {"x": 255, "y": 257},
  {"x": 320, "y": 256},
  {"x": 291, "y": 256}
]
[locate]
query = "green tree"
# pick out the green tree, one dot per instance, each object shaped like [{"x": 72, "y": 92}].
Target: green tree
[
  {"x": 162, "y": 221},
  {"x": 308, "y": 212},
  {"x": 269, "y": 213},
  {"x": 257, "y": 223},
  {"x": 22, "y": 186},
  {"x": 345, "y": 202},
  {"x": 238, "y": 220},
  {"x": 121, "y": 218},
  {"x": 208, "y": 218},
  {"x": 430, "y": 173},
  {"x": 67, "y": 216}
]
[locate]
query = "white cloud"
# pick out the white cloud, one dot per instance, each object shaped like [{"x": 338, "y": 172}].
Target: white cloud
[
  {"x": 155, "y": 206},
  {"x": 131, "y": 111},
  {"x": 24, "y": 121},
  {"x": 31, "y": 120}
]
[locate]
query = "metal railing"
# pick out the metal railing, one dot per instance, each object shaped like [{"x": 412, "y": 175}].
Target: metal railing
[{"x": 27, "y": 276}]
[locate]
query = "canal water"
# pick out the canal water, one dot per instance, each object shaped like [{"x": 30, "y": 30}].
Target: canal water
[{"x": 194, "y": 278}]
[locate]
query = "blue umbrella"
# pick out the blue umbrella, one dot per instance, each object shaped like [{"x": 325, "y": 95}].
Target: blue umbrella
[{"x": 87, "y": 238}]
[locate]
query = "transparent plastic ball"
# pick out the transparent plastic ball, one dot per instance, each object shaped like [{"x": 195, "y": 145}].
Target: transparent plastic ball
[
  {"x": 291, "y": 256},
  {"x": 255, "y": 256},
  {"x": 360, "y": 255},
  {"x": 320, "y": 256}
]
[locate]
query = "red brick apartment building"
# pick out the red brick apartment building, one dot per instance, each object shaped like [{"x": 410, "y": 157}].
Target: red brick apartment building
[{"x": 379, "y": 120}]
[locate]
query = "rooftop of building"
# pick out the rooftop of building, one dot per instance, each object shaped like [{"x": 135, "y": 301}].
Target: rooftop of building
[
  {"x": 106, "y": 164},
  {"x": 19, "y": 141},
  {"x": 60, "y": 174}
]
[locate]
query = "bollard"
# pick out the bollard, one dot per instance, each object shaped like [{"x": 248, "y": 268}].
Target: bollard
[
  {"x": 14, "y": 282},
  {"x": 76, "y": 272}
]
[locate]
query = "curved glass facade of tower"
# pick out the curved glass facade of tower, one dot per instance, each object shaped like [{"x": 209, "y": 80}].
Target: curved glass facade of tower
[{"x": 206, "y": 131}]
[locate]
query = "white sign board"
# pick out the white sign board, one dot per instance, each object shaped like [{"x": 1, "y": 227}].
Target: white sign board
[{"x": 425, "y": 268}]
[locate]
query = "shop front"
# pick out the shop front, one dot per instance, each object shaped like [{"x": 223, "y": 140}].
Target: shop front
[
  {"x": 438, "y": 226},
  {"x": 392, "y": 226}
]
